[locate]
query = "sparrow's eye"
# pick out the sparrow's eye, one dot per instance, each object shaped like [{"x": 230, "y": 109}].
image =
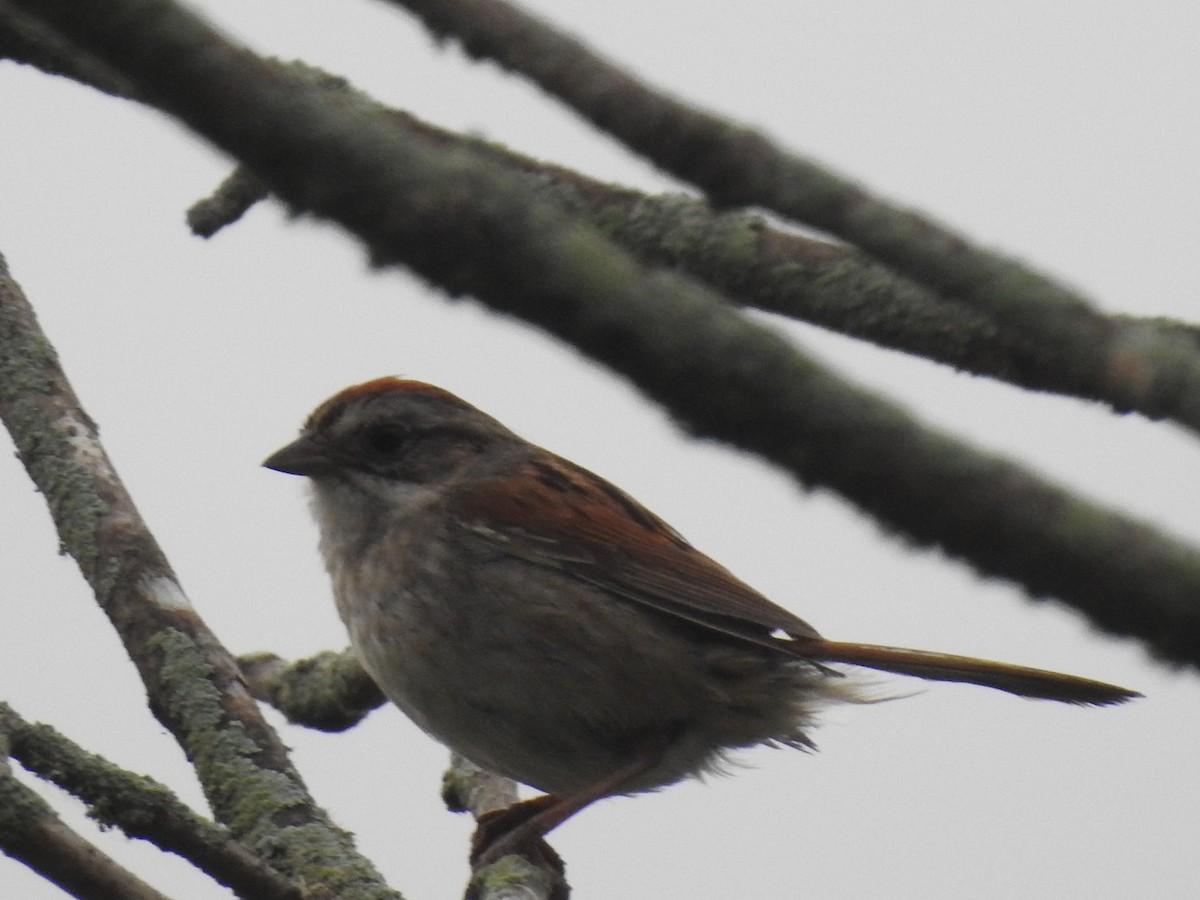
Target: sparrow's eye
[{"x": 383, "y": 439}]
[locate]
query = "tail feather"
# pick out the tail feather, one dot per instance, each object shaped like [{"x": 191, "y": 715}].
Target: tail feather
[{"x": 1024, "y": 682}]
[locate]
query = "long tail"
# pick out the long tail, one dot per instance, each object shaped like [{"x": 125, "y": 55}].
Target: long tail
[{"x": 1019, "y": 680}]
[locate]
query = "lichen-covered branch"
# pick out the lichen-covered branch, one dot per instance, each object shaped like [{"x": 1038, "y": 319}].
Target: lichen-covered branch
[
  {"x": 471, "y": 227},
  {"x": 31, "y": 832},
  {"x": 1145, "y": 369},
  {"x": 329, "y": 691},
  {"x": 532, "y": 876},
  {"x": 468, "y": 788},
  {"x": 193, "y": 684},
  {"x": 831, "y": 285},
  {"x": 141, "y": 807},
  {"x": 228, "y": 203},
  {"x": 26, "y": 39}
]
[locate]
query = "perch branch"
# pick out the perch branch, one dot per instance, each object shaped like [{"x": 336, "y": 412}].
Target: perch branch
[{"x": 193, "y": 684}]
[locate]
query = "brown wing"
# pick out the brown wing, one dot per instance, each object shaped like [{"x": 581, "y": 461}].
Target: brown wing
[{"x": 567, "y": 518}]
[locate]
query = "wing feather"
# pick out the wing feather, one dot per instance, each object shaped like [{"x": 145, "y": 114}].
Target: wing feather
[
  {"x": 565, "y": 518},
  {"x": 569, "y": 519}
]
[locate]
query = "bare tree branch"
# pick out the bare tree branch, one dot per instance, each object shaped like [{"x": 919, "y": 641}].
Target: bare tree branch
[
  {"x": 1147, "y": 367},
  {"x": 142, "y": 808},
  {"x": 31, "y": 832},
  {"x": 193, "y": 684},
  {"x": 468, "y": 788},
  {"x": 228, "y": 203},
  {"x": 463, "y": 223},
  {"x": 1144, "y": 369},
  {"x": 26, "y": 39},
  {"x": 754, "y": 264},
  {"x": 329, "y": 691}
]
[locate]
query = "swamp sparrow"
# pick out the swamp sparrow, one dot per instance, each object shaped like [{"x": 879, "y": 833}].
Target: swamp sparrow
[{"x": 542, "y": 623}]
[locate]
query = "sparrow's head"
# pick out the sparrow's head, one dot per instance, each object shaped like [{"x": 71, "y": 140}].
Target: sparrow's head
[{"x": 391, "y": 431}]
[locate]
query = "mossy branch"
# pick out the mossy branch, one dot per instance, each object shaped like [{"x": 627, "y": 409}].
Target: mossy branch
[
  {"x": 737, "y": 166},
  {"x": 193, "y": 684},
  {"x": 142, "y": 808}
]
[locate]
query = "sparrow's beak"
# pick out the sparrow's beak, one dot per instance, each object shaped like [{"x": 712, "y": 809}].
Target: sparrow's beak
[{"x": 303, "y": 456}]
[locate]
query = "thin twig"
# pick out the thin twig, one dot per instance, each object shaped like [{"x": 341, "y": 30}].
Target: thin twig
[
  {"x": 468, "y": 788},
  {"x": 228, "y": 203},
  {"x": 534, "y": 875},
  {"x": 328, "y": 692}
]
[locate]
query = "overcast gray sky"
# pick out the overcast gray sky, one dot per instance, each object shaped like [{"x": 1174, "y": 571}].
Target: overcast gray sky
[{"x": 1067, "y": 134}]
